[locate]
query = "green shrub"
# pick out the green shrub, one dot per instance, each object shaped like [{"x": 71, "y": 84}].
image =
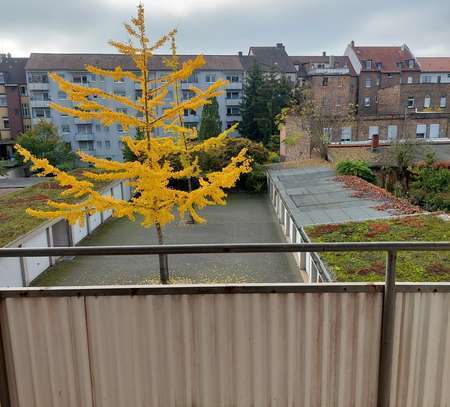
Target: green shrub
[
  {"x": 431, "y": 188},
  {"x": 357, "y": 168},
  {"x": 255, "y": 181}
]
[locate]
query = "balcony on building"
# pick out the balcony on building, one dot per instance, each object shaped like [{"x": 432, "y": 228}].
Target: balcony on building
[{"x": 328, "y": 71}]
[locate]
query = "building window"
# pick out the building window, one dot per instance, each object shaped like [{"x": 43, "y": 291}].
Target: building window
[
  {"x": 84, "y": 129},
  {"x": 410, "y": 79},
  {"x": 107, "y": 145},
  {"x": 41, "y": 112},
  {"x": 439, "y": 79},
  {"x": 411, "y": 64},
  {"x": 86, "y": 145},
  {"x": 421, "y": 131},
  {"x": 123, "y": 110},
  {"x": 191, "y": 125},
  {"x": 65, "y": 128},
  {"x": 443, "y": 102},
  {"x": 6, "y": 124},
  {"x": 120, "y": 92},
  {"x": 373, "y": 131},
  {"x": 79, "y": 78},
  {"x": 325, "y": 81},
  {"x": 434, "y": 130},
  {"x": 211, "y": 78},
  {"x": 189, "y": 112},
  {"x": 427, "y": 102},
  {"x": 3, "y": 101},
  {"x": 39, "y": 95},
  {"x": 119, "y": 128},
  {"x": 346, "y": 134},
  {"x": 378, "y": 65},
  {"x": 99, "y": 145},
  {"x": 427, "y": 79},
  {"x": 137, "y": 94},
  {"x": 233, "y": 78},
  {"x": 98, "y": 128},
  {"x": 93, "y": 77},
  {"x": 120, "y": 80},
  {"x": 62, "y": 95},
  {"x": 368, "y": 83},
  {"x": 233, "y": 111},
  {"x": 410, "y": 103},
  {"x": 233, "y": 94},
  {"x": 25, "y": 110},
  {"x": 367, "y": 101},
  {"x": 192, "y": 79},
  {"x": 392, "y": 132},
  {"x": 23, "y": 90},
  {"x": 38, "y": 77},
  {"x": 187, "y": 94},
  {"x": 368, "y": 64}
]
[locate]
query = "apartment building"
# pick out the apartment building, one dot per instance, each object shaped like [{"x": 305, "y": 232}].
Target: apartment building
[
  {"x": 14, "y": 104},
  {"x": 398, "y": 96},
  {"x": 104, "y": 141}
]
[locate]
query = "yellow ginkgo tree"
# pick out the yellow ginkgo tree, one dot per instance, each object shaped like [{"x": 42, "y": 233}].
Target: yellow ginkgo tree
[{"x": 155, "y": 200}]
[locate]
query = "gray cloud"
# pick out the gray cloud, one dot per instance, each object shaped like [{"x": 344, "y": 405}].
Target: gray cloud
[{"x": 217, "y": 26}]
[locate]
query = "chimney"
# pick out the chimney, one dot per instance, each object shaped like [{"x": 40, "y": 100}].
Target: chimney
[
  {"x": 324, "y": 54},
  {"x": 375, "y": 142},
  {"x": 240, "y": 53},
  {"x": 352, "y": 43},
  {"x": 280, "y": 45}
]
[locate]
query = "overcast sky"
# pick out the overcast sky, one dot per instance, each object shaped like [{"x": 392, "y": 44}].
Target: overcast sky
[{"x": 228, "y": 26}]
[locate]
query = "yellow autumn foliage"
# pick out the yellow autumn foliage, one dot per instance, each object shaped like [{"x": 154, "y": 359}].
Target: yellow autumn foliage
[{"x": 151, "y": 176}]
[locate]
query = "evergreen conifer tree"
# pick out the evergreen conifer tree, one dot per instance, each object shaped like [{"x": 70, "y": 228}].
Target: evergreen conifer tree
[{"x": 210, "y": 124}]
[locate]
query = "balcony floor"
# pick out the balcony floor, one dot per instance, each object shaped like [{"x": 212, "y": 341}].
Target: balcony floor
[{"x": 246, "y": 218}]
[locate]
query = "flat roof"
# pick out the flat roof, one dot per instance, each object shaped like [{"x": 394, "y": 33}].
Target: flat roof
[{"x": 313, "y": 197}]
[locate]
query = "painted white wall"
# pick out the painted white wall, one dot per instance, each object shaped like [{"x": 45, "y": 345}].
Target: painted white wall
[
  {"x": 10, "y": 275},
  {"x": 95, "y": 221},
  {"x": 36, "y": 265},
  {"x": 78, "y": 232}
]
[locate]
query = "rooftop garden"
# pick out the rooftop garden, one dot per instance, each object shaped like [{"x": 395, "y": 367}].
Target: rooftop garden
[
  {"x": 14, "y": 222},
  {"x": 370, "y": 266}
]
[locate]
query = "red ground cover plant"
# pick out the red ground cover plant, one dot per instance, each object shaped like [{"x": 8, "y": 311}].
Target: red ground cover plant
[
  {"x": 388, "y": 202},
  {"x": 377, "y": 267},
  {"x": 323, "y": 230},
  {"x": 376, "y": 228},
  {"x": 438, "y": 268}
]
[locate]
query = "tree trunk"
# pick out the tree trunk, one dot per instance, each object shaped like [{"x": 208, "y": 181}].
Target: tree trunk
[
  {"x": 191, "y": 219},
  {"x": 163, "y": 259}
]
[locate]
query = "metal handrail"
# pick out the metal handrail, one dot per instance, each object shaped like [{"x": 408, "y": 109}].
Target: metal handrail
[{"x": 222, "y": 248}]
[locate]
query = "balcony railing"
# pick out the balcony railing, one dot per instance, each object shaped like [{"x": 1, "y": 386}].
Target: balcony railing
[
  {"x": 84, "y": 137},
  {"x": 348, "y": 336},
  {"x": 328, "y": 71}
]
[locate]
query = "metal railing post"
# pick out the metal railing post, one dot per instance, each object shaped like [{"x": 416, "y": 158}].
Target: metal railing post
[
  {"x": 387, "y": 332},
  {"x": 164, "y": 268},
  {"x": 5, "y": 400}
]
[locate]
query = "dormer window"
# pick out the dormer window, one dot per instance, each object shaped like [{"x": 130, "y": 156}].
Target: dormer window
[
  {"x": 411, "y": 64},
  {"x": 378, "y": 65},
  {"x": 368, "y": 64}
]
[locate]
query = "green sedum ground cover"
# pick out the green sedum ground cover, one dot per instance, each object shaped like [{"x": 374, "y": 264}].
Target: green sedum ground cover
[
  {"x": 14, "y": 222},
  {"x": 370, "y": 266}
]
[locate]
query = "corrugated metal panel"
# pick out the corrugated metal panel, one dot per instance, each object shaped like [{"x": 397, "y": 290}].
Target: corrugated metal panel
[
  {"x": 46, "y": 352},
  {"x": 421, "y": 363},
  {"x": 294, "y": 349},
  {"x": 239, "y": 350}
]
